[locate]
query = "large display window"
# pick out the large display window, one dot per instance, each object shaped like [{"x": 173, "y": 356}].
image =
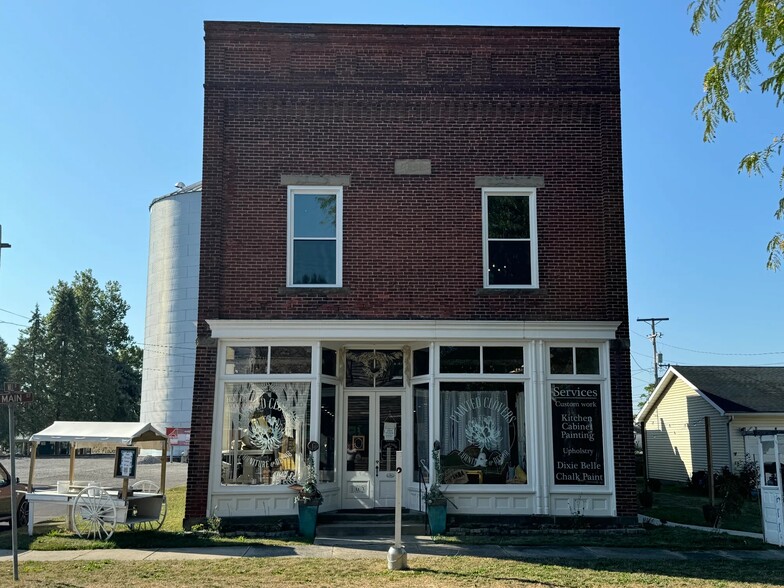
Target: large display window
[
  {"x": 483, "y": 428},
  {"x": 265, "y": 431}
]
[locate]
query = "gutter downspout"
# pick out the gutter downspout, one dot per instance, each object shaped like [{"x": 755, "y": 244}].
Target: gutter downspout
[{"x": 729, "y": 444}]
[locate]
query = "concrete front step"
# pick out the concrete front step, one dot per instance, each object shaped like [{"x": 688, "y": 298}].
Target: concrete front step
[{"x": 354, "y": 529}]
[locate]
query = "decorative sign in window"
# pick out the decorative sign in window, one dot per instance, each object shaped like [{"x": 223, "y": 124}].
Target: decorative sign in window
[
  {"x": 578, "y": 453},
  {"x": 266, "y": 426},
  {"x": 483, "y": 433},
  {"x": 374, "y": 368}
]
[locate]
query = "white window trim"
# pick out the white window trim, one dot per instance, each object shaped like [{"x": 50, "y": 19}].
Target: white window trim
[
  {"x": 531, "y": 194},
  {"x": 338, "y": 191}
]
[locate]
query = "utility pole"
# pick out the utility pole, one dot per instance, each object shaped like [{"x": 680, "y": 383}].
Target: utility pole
[
  {"x": 653, "y": 322},
  {"x": 3, "y": 245}
]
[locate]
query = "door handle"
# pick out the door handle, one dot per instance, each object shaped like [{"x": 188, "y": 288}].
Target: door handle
[{"x": 377, "y": 468}]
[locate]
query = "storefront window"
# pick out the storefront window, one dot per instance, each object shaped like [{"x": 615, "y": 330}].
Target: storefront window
[
  {"x": 329, "y": 362},
  {"x": 574, "y": 360},
  {"x": 327, "y": 435},
  {"x": 374, "y": 369},
  {"x": 483, "y": 433},
  {"x": 265, "y": 431},
  {"x": 421, "y": 430},
  {"x": 578, "y": 449},
  {"x": 459, "y": 360},
  {"x": 421, "y": 361},
  {"x": 480, "y": 360},
  {"x": 246, "y": 360},
  {"x": 268, "y": 360}
]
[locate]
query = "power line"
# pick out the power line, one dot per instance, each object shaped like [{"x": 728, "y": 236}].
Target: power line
[
  {"x": 720, "y": 353},
  {"x": 14, "y": 313}
]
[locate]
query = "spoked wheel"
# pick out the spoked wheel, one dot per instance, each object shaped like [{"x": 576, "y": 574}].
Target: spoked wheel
[
  {"x": 94, "y": 515},
  {"x": 153, "y": 525},
  {"x": 146, "y": 486}
]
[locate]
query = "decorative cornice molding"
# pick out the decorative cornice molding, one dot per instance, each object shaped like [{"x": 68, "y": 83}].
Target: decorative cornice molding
[{"x": 414, "y": 330}]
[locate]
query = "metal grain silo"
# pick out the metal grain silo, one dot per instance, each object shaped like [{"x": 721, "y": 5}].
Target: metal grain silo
[{"x": 172, "y": 305}]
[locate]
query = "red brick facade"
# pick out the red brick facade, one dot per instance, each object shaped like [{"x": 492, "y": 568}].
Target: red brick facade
[{"x": 351, "y": 100}]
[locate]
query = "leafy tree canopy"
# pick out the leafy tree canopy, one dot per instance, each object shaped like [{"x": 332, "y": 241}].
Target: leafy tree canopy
[
  {"x": 79, "y": 359},
  {"x": 749, "y": 52}
]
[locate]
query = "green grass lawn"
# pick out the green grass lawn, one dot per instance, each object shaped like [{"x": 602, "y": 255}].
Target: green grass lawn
[
  {"x": 434, "y": 572},
  {"x": 55, "y": 537},
  {"x": 676, "y": 504}
]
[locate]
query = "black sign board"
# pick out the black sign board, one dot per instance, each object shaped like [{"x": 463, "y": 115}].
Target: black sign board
[
  {"x": 578, "y": 455},
  {"x": 125, "y": 462}
]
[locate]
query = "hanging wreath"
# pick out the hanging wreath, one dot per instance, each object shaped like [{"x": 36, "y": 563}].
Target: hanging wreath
[{"x": 266, "y": 433}]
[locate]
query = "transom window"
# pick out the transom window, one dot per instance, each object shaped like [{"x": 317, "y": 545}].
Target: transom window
[
  {"x": 509, "y": 226},
  {"x": 574, "y": 360},
  {"x": 315, "y": 240},
  {"x": 480, "y": 360},
  {"x": 268, "y": 360}
]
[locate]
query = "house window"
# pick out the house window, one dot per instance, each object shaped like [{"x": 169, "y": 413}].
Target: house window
[
  {"x": 315, "y": 236},
  {"x": 509, "y": 226}
]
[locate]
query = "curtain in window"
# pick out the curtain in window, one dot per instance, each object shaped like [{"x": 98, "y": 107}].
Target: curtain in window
[{"x": 479, "y": 418}]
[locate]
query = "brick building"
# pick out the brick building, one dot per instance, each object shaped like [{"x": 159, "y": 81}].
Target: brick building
[{"x": 412, "y": 234}]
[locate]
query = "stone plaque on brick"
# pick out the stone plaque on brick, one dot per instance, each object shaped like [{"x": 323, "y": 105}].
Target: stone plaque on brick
[{"x": 412, "y": 167}]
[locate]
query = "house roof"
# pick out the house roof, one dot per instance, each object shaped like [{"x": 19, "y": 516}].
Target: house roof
[
  {"x": 99, "y": 432},
  {"x": 731, "y": 389}
]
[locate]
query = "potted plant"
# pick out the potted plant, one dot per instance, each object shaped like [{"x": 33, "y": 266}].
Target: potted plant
[
  {"x": 435, "y": 499},
  {"x": 308, "y": 500}
]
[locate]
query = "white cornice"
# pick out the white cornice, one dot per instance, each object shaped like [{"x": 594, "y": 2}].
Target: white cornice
[{"x": 414, "y": 330}]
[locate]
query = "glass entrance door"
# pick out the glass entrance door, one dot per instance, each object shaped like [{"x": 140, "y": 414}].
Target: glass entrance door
[{"x": 373, "y": 436}]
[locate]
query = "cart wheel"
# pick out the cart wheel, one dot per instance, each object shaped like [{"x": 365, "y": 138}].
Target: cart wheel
[
  {"x": 22, "y": 513},
  {"x": 151, "y": 525},
  {"x": 146, "y": 486},
  {"x": 94, "y": 515}
]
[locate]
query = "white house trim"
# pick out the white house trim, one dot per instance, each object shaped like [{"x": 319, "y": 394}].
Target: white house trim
[
  {"x": 404, "y": 331},
  {"x": 671, "y": 374}
]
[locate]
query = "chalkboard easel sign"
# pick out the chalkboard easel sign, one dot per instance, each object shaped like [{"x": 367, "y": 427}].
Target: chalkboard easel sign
[{"x": 125, "y": 462}]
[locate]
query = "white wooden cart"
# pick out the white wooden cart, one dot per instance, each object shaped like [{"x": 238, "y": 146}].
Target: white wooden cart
[{"x": 94, "y": 511}]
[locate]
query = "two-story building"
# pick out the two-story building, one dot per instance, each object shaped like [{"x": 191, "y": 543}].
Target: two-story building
[{"x": 412, "y": 234}]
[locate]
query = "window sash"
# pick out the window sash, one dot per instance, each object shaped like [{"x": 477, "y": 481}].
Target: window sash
[
  {"x": 532, "y": 273},
  {"x": 337, "y": 238}
]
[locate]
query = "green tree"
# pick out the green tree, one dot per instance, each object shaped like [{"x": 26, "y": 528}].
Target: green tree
[
  {"x": 27, "y": 366},
  {"x": 79, "y": 360},
  {"x": 755, "y": 35}
]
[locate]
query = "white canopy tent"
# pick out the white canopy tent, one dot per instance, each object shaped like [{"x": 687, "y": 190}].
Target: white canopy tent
[
  {"x": 84, "y": 434},
  {"x": 107, "y": 432}
]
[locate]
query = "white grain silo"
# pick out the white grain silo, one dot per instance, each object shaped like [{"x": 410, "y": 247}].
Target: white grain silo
[{"x": 172, "y": 306}]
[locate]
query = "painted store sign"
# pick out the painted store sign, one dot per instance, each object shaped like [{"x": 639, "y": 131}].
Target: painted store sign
[{"x": 578, "y": 455}]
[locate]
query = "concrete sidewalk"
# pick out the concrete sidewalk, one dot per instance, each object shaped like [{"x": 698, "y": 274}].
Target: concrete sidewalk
[{"x": 377, "y": 549}]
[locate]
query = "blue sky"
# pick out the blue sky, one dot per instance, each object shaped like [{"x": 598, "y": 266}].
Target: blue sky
[{"x": 101, "y": 111}]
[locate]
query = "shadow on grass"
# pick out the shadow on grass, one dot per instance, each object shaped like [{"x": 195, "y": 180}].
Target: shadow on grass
[{"x": 719, "y": 570}]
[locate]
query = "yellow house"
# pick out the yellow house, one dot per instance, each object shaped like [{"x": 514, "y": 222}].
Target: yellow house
[{"x": 740, "y": 403}]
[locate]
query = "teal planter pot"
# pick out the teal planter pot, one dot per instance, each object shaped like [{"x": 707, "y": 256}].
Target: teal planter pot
[
  {"x": 308, "y": 515},
  {"x": 436, "y": 516}
]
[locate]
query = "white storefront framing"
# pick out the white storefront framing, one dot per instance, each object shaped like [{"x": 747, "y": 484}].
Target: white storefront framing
[{"x": 539, "y": 496}]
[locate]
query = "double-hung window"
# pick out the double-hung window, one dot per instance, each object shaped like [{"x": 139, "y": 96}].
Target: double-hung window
[
  {"x": 509, "y": 238},
  {"x": 315, "y": 241}
]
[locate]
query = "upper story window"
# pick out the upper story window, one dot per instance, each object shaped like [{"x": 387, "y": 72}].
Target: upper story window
[
  {"x": 315, "y": 236},
  {"x": 509, "y": 235}
]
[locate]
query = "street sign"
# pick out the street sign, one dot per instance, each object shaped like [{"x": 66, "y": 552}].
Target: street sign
[
  {"x": 16, "y": 397},
  {"x": 13, "y": 394}
]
